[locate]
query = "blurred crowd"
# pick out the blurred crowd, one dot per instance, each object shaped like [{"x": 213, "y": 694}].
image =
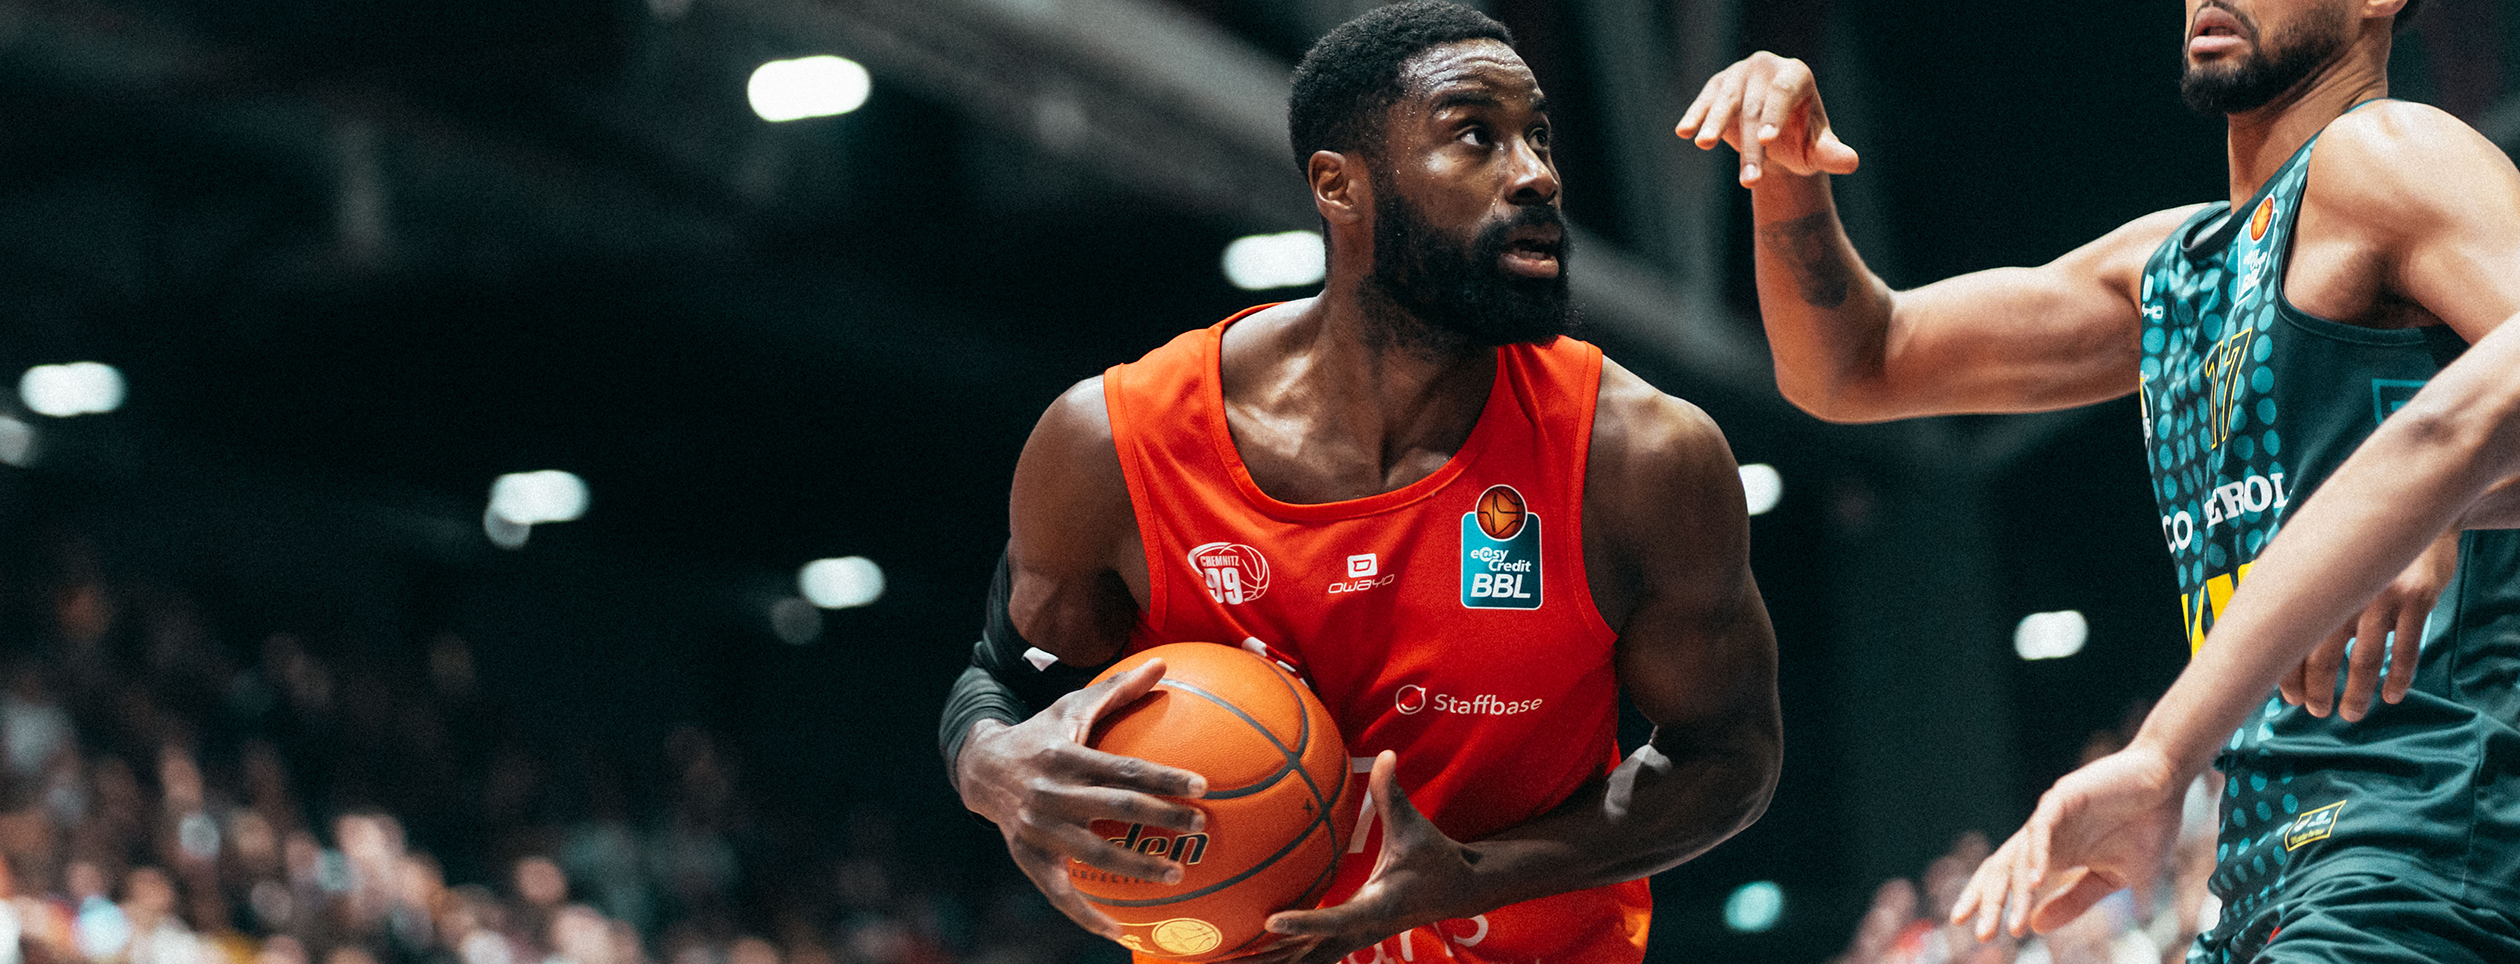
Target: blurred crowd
[
  {"x": 1908, "y": 922},
  {"x": 169, "y": 795},
  {"x": 172, "y": 795}
]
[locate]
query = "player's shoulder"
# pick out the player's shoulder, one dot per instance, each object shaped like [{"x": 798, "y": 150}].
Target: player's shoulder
[
  {"x": 1073, "y": 454},
  {"x": 1069, "y": 503},
  {"x": 2117, "y": 259},
  {"x": 1660, "y": 475},
  {"x": 2149, "y": 231},
  {"x": 1645, "y": 437},
  {"x": 2134, "y": 242},
  {"x": 2401, "y": 133},
  {"x": 1080, "y": 416},
  {"x": 2398, "y": 158}
]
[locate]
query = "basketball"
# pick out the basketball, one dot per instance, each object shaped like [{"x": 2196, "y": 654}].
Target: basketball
[
  {"x": 1276, "y": 818},
  {"x": 1500, "y": 512}
]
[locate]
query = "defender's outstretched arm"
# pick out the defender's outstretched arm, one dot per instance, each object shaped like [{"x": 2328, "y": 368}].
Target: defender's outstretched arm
[{"x": 1848, "y": 348}]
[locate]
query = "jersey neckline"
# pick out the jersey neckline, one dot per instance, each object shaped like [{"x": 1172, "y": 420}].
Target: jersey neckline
[{"x": 1220, "y": 433}]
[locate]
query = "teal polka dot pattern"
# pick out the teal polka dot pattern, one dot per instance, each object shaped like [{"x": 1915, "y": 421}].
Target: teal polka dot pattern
[{"x": 2213, "y": 364}]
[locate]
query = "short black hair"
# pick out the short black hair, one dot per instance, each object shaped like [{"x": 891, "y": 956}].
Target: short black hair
[
  {"x": 1352, "y": 76},
  {"x": 2406, "y": 14}
]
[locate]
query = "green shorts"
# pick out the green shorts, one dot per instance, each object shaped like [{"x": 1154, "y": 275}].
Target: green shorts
[{"x": 2364, "y": 918}]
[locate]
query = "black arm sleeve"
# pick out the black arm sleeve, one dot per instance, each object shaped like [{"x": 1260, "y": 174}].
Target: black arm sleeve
[{"x": 1001, "y": 683}]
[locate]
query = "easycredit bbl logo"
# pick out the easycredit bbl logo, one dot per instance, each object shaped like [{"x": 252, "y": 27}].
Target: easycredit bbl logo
[{"x": 1500, "y": 552}]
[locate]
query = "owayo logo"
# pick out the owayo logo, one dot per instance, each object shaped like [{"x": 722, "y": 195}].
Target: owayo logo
[{"x": 1235, "y": 573}]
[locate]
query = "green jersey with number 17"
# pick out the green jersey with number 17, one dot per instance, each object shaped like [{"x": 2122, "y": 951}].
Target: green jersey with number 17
[{"x": 2249, "y": 403}]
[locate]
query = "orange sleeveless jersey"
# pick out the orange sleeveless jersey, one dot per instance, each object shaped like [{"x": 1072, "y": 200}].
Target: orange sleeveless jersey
[{"x": 1448, "y": 620}]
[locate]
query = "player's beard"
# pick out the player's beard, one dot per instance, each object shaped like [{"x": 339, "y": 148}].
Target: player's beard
[
  {"x": 1456, "y": 292},
  {"x": 2273, "y": 66}
]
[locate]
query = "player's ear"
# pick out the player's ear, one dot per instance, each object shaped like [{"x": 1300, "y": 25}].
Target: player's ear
[{"x": 1340, "y": 187}]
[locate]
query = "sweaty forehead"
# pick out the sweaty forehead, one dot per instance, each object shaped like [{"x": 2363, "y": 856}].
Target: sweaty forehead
[{"x": 1472, "y": 66}]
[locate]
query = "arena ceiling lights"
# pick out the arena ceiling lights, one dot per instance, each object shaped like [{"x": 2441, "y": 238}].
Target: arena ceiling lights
[
  {"x": 78, "y": 388},
  {"x": 822, "y": 86},
  {"x": 519, "y": 501}
]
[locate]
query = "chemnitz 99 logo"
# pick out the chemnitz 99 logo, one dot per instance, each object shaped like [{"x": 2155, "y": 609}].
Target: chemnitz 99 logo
[
  {"x": 1500, "y": 552},
  {"x": 1235, "y": 573}
]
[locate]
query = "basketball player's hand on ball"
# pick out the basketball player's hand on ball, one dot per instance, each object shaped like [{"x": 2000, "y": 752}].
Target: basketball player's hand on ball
[
  {"x": 1768, "y": 108},
  {"x": 2398, "y": 612},
  {"x": 1421, "y": 876},
  {"x": 2101, "y": 829},
  {"x": 1042, "y": 786}
]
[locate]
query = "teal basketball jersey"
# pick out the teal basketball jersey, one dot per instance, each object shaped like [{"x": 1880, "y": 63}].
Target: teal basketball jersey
[{"x": 2248, "y": 404}]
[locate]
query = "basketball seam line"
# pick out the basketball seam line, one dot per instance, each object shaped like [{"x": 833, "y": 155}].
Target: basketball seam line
[
  {"x": 1326, "y": 820},
  {"x": 1303, "y": 737},
  {"x": 1321, "y": 882},
  {"x": 1291, "y": 760}
]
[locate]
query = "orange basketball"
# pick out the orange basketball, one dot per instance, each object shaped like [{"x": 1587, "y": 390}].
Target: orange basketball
[
  {"x": 1500, "y": 512},
  {"x": 1276, "y": 817}
]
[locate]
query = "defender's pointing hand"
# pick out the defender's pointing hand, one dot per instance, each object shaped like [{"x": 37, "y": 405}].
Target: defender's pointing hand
[{"x": 1768, "y": 108}]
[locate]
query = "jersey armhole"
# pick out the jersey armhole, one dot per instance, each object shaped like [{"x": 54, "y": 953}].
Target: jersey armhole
[
  {"x": 1589, "y": 378},
  {"x": 1125, "y": 440},
  {"x": 2282, "y": 275},
  {"x": 2291, "y": 231}
]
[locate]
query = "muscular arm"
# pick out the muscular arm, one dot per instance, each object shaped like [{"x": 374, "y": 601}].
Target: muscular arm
[
  {"x": 1072, "y": 568},
  {"x": 1849, "y": 349},
  {"x": 2499, "y": 508},
  {"x": 1696, "y": 655},
  {"x": 1073, "y": 550}
]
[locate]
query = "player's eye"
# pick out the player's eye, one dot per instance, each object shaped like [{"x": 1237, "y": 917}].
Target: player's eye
[
  {"x": 1476, "y": 135},
  {"x": 1539, "y": 136}
]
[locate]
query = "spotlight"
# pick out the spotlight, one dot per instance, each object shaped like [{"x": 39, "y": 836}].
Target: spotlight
[
  {"x": 1761, "y": 486},
  {"x": 795, "y": 621},
  {"x": 17, "y": 442},
  {"x": 1264, "y": 261},
  {"x": 841, "y": 583},
  {"x": 533, "y": 498},
  {"x": 78, "y": 388},
  {"x": 2051, "y": 635},
  {"x": 786, "y": 90},
  {"x": 1754, "y": 907}
]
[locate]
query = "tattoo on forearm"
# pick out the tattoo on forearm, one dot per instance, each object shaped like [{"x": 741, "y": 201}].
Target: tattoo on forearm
[{"x": 1808, "y": 244}]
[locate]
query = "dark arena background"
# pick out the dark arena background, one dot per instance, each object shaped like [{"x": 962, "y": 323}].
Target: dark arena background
[{"x": 479, "y": 490}]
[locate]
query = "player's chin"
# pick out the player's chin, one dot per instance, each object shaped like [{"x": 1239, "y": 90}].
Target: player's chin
[{"x": 2215, "y": 69}]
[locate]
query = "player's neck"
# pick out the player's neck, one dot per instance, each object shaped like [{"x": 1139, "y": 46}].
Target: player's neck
[
  {"x": 1331, "y": 375},
  {"x": 1380, "y": 357},
  {"x": 2260, "y": 141}
]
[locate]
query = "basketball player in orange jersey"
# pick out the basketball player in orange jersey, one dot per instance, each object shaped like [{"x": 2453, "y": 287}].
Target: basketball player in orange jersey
[
  {"x": 2364, "y": 244},
  {"x": 1468, "y": 533}
]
